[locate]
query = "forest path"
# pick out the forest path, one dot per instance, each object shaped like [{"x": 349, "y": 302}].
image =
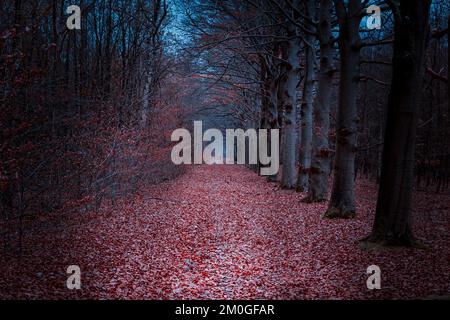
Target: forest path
[
  {"x": 227, "y": 233},
  {"x": 223, "y": 232},
  {"x": 232, "y": 246}
]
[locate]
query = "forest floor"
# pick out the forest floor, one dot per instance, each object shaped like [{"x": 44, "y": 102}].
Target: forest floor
[{"x": 223, "y": 232}]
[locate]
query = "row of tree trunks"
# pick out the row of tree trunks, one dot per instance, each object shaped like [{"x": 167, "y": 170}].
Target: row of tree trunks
[{"x": 279, "y": 87}]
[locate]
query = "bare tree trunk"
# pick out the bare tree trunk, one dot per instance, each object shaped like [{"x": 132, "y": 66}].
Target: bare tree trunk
[
  {"x": 290, "y": 108},
  {"x": 307, "y": 107},
  {"x": 320, "y": 166},
  {"x": 146, "y": 102},
  {"x": 152, "y": 59},
  {"x": 108, "y": 52},
  {"x": 149, "y": 82},
  {"x": 392, "y": 219},
  {"x": 274, "y": 80},
  {"x": 265, "y": 82},
  {"x": 342, "y": 201}
]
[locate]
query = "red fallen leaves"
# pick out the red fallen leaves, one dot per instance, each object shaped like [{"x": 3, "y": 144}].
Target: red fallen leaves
[{"x": 222, "y": 232}]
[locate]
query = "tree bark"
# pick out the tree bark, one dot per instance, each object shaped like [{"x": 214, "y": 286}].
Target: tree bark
[
  {"x": 152, "y": 60},
  {"x": 342, "y": 201},
  {"x": 307, "y": 107},
  {"x": 269, "y": 113},
  {"x": 392, "y": 219},
  {"x": 290, "y": 108},
  {"x": 320, "y": 166}
]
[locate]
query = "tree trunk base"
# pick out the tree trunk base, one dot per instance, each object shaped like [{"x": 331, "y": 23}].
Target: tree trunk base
[
  {"x": 378, "y": 241},
  {"x": 339, "y": 213},
  {"x": 287, "y": 187},
  {"x": 313, "y": 199}
]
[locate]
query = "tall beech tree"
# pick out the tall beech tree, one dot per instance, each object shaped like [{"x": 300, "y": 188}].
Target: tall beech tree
[
  {"x": 320, "y": 166},
  {"x": 342, "y": 201},
  {"x": 307, "y": 99},
  {"x": 411, "y": 28},
  {"x": 289, "y": 98}
]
